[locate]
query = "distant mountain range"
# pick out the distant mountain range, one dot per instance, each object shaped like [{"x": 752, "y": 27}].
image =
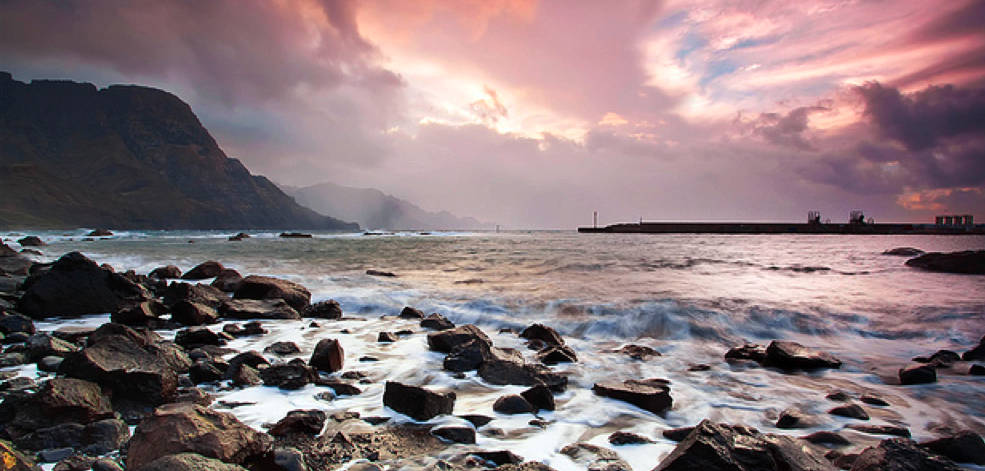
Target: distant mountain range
[
  {"x": 128, "y": 157},
  {"x": 374, "y": 209}
]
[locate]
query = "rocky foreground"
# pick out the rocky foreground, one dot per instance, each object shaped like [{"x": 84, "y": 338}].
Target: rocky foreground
[{"x": 96, "y": 383}]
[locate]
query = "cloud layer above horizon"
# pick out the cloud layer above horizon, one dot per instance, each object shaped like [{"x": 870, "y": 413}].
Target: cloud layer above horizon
[{"x": 535, "y": 113}]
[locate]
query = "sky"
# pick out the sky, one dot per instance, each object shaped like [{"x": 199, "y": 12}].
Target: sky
[{"x": 534, "y": 114}]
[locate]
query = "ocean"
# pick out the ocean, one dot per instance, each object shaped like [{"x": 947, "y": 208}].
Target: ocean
[{"x": 690, "y": 297}]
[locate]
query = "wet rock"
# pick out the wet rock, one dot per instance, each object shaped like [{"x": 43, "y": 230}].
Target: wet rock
[
  {"x": 917, "y": 374},
  {"x": 852, "y": 411},
  {"x": 507, "y": 367},
  {"x": 14, "y": 338},
  {"x": 44, "y": 345},
  {"x": 963, "y": 447},
  {"x": 839, "y": 396},
  {"x": 447, "y": 340},
  {"x": 50, "y": 364},
  {"x": 904, "y": 251},
  {"x": 416, "y": 402},
  {"x": 940, "y": 358},
  {"x": 713, "y": 447},
  {"x": 305, "y": 422},
  {"x": 288, "y": 376},
  {"x": 468, "y": 356},
  {"x": 12, "y": 359},
  {"x": 372, "y": 272},
  {"x": 873, "y": 400},
  {"x": 283, "y": 348},
  {"x": 265, "y": 287},
  {"x": 341, "y": 388},
  {"x": 205, "y": 371},
  {"x": 881, "y": 430},
  {"x": 969, "y": 262},
  {"x": 627, "y": 438},
  {"x": 244, "y": 375},
  {"x": 14, "y": 263},
  {"x": 651, "y": 395},
  {"x": 189, "y": 462},
  {"x": 749, "y": 351},
  {"x": 100, "y": 233},
  {"x": 329, "y": 309},
  {"x": 328, "y": 356},
  {"x": 387, "y": 337},
  {"x": 10, "y": 323},
  {"x": 900, "y": 454},
  {"x": 498, "y": 457},
  {"x": 196, "y": 293},
  {"x": 826, "y": 437},
  {"x": 792, "y": 355},
  {"x": 250, "y": 358},
  {"x": 227, "y": 280},
  {"x": 540, "y": 397},
  {"x": 543, "y": 333},
  {"x": 117, "y": 359},
  {"x": 165, "y": 272},
  {"x": 183, "y": 427},
  {"x": 192, "y": 313},
  {"x": 638, "y": 352},
  {"x": 410, "y": 313},
  {"x": 75, "y": 285},
  {"x": 793, "y": 418},
  {"x": 553, "y": 355},
  {"x": 436, "y": 321},
  {"x": 977, "y": 370},
  {"x": 244, "y": 330},
  {"x": 257, "y": 309},
  {"x": 139, "y": 314},
  {"x": 96, "y": 438},
  {"x": 196, "y": 337},
  {"x": 294, "y": 235},
  {"x": 512, "y": 404},
  {"x": 595, "y": 458},
  {"x": 203, "y": 271},
  {"x": 455, "y": 434},
  {"x": 977, "y": 353},
  {"x": 677, "y": 434},
  {"x": 31, "y": 241},
  {"x": 58, "y": 400}
]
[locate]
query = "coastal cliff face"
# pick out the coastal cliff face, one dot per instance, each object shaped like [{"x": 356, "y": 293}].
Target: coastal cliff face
[{"x": 72, "y": 155}]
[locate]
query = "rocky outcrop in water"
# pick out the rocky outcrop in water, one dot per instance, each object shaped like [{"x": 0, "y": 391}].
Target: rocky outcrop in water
[
  {"x": 72, "y": 155},
  {"x": 970, "y": 262},
  {"x": 75, "y": 285}
]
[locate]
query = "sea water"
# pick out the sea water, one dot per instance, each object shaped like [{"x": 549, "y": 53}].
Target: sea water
[{"x": 691, "y": 297}]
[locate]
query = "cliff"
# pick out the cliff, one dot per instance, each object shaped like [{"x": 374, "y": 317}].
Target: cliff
[{"x": 131, "y": 157}]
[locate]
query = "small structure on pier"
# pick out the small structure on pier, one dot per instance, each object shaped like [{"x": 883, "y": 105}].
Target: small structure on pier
[
  {"x": 856, "y": 217},
  {"x": 814, "y": 217},
  {"x": 955, "y": 220}
]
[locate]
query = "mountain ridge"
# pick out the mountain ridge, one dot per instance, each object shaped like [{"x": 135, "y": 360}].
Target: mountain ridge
[{"x": 128, "y": 157}]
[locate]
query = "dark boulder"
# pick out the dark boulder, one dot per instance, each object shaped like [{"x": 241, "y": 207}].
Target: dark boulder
[
  {"x": 192, "y": 313},
  {"x": 203, "y": 271},
  {"x": 283, "y": 348},
  {"x": 513, "y": 404},
  {"x": 970, "y": 262},
  {"x": 328, "y": 356},
  {"x": 638, "y": 352},
  {"x": 416, "y": 402},
  {"x": 329, "y": 309},
  {"x": 627, "y": 438},
  {"x": 881, "y": 430},
  {"x": 900, "y": 454},
  {"x": 44, "y": 345},
  {"x": 265, "y": 287},
  {"x": 455, "y": 434},
  {"x": 543, "y": 333},
  {"x": 677, "y": 434},
  {"x": 258, "y": 309},
  {"x": 165, "y": 272},
  {"x": 852, "y": 411},
  {"x": 794, "y": 356},
  {"x": 917, "y": 374},
  {"x": 977, "y": 370},
  {"x": 904, "y": 252},
  {"x": 977, "y": 353},
  {"x": 100, "y": 232},
  {"x": 940, "y": 358},
  {"x": 653, "y": 396},
  {"x": 540, "y": 397},
  {"x": 963, "y": 447},
  {"x": 139, "y": 314},
  {"x": 10, "y": 323},
  {"x": 447, "y": 340},
  {"x": 468, "y": 356},
  {"x": 294, "y": 235},
  {"x": 720, "y": 447},
  {"x": 553, "y": 354},
  {"x": 288, "y": 376},
  {"x": 227, "y": 280},
  {"x": 31, "y": 241},
  {"x": 185, "y": 427},
  {"x": 196, "y": 293},
  {"x": 594, "y": 457},
  {"x": 436, "y": 321},
  {"x": 59, "y": 400},
  {"x": 304, "y": 422},
  {"x": 244, "y": 330},
  {"x": 75, "y": 285},
  {"x": 827, "y": 438},
  {"x": 507, "y": 367},
  {"x": 97, "y": 438},
  {"x": 372, "y": 272},
  {"x": 749, "y": 351},
  {"x": 410, "y": 313},
  {"x": 196, "y": 337},
  {"x": 246, "y": 375},
  {"x": 499, "y": 457},
  {"x": 205, "y": 371},
  {"x": 793, "y": 418}
]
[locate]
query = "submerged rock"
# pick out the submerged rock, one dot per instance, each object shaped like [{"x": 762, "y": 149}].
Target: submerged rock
[
  {"x": 977, "y": 353},
  {"x": 969, "y": 262},
  {"x": 720, "y": 447},
  {"x": 792, "y": 355},
  {"x": 904, "y": 251},
  {"x": 639, "y": 352},
  {"x": 917, "y": 374},
  {"x": 416, "y": 402},
  {"x": 31, "y": 241}
]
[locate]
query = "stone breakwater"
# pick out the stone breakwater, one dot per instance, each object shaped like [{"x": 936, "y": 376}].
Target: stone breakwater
[{"x": 155, "y": 384}]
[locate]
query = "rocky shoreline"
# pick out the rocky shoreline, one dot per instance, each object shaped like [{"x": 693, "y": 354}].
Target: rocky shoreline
[{"x": 156, "y": 364}]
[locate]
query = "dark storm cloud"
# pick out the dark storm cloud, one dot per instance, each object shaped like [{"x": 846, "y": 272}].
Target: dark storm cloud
[
  {"x": 230, "y": 50},
  {"x": 787, "y": 130}
]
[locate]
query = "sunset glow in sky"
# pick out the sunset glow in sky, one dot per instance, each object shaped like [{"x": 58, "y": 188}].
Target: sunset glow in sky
[{"x": 536, "y": 113}]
